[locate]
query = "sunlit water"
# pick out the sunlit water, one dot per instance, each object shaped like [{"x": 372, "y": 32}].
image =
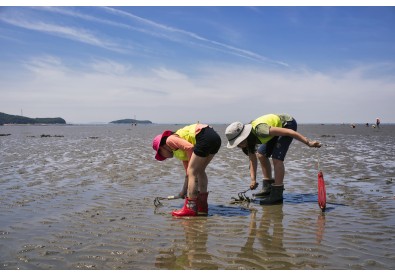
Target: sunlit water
[{"x": 84, "y": 200}]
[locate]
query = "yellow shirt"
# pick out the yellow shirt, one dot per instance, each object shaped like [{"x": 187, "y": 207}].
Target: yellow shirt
[{"x": 175, "y": 142}]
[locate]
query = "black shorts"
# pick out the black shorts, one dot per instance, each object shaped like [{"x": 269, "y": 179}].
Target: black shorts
[{"x": 208, "y": 142}]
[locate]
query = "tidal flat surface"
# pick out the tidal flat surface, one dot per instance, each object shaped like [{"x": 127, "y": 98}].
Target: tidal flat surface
[{"x": 81, "y": 197}]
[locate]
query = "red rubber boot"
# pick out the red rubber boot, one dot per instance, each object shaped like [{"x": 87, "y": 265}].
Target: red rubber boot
[
  {"x": 202, "y": 205},
  {"x": 189, "y": 208}
]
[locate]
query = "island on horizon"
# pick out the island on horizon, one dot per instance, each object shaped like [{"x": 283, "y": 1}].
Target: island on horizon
[
  {"x": 14, "y": 119},
  {"x": 131, "y": 121}
]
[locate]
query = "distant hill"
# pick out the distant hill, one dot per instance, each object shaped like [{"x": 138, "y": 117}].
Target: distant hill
[
  {"x": 11, "y": 119},
  {"x": 131, "y": 121}
]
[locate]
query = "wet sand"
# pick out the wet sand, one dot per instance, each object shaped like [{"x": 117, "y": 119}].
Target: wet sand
[{"x": 81, "y": 197}]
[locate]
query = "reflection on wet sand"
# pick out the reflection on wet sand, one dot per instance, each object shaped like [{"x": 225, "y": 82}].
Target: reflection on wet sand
[
  {"x": 194, "y": 255},
  {"x": 320, "y": 227},
  {"x": 267, "y": 231}
]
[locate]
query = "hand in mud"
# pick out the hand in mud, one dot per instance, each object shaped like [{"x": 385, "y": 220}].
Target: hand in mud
[
  {"x": 253, "y": 185},
  {"x": 314, "y": 143}
]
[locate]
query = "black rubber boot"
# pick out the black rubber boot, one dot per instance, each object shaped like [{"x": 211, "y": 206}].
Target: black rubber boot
[
  {"x": 266, "y": 188},
  {"x": 275, "y": 197}
]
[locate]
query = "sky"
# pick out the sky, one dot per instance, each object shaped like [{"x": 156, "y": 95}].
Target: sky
[{"x": 213, "y": 64}]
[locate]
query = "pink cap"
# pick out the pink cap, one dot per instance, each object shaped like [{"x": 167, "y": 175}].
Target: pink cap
[{"x": 156, "y": 144}]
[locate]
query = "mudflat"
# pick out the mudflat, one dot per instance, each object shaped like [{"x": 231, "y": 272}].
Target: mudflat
[{"x": 81, "y": 197}]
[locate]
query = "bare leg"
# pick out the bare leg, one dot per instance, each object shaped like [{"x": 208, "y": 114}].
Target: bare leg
[
  {"x": 265, "y": 165},
  {"x": 204, "y": 179},
  {"x": 279, "y": 171},
  {"x": 196, "y": 169},
  {"x": 184, "y": 189}
]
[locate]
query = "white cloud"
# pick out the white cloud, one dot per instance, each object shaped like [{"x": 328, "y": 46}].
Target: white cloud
[
  {"x": 106, "y": 66},
  {"x": 76, "y": 34},
  {"x": 167, "y": 74},
  {"x": 126, "y": 46},
  {"x": 104, "y": 90},
  {"x": 183, "y": 36}
]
